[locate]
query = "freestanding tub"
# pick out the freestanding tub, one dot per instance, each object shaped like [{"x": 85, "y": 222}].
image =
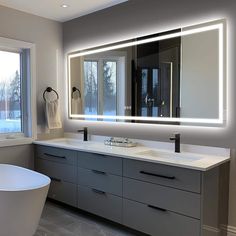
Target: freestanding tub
[{"x": 22, "y": 197}]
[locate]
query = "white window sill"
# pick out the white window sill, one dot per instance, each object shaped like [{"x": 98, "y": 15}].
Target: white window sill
[{"x": 6, "y": 142}]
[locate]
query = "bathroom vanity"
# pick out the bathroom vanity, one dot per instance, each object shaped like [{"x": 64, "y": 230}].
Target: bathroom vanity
[{"x": 149, "y": 190}]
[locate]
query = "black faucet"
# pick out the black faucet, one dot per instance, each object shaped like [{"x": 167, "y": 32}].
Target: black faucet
[
  {"x": 85, "y": 131},
  {"x": 176, "y": 137}
]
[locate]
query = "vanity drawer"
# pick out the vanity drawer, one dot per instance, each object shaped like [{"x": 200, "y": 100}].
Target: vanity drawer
[
  {"x": 108, "y": 164},
  {"x": 100, "y": 180},
  {"x": 171, "y": 199},
  {"x": 56, "y": 170},
  {"x": 175, "y": 177},
  {"x": 155, "y": 222},
  {"x": 57, "y": 154},
  {"x": 100, "y": 203},
  {"x": 63, "y": 192}
]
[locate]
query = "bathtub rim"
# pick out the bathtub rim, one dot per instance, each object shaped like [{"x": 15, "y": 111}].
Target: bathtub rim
[{"x": 45, "y": 183}]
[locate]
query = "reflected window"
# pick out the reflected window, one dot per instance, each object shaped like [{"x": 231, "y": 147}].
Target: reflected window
[
  {"x": 100, "y": 87},
  {"x": 90, "y": 87},
  {"x": 109, "y": 87}
]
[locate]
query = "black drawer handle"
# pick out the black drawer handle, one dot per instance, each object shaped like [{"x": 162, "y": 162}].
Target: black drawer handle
[
  {"x": 55, "y": 179},
  {"x": 98, "y": 191},
  {"x": 99, "y": 172},
  {"x": 51, "y": 155},
  {"x": 157, "y": 208},
  {"x": 161, "y": 176}
]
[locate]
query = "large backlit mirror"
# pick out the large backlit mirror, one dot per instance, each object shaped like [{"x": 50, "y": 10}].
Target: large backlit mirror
[{"x": 175, "y": 77}]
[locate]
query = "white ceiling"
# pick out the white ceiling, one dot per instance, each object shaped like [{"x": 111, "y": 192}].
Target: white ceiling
[{"x": 52, "y": 8}]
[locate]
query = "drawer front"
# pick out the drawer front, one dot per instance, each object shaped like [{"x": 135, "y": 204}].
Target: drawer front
[
  {"x": 56, "y": 154},
  {"x": 180, "y": 178},
  {"x": 63, "y": 192},
  {"x": 100, "y": 180},
  {"x": 108, "y": 164},
  {"x": 100, "y": 203},
  {"x": 56, "y": 170},
  {"x": 156, "y": 222},
  {"x": 171, "y": 199}
]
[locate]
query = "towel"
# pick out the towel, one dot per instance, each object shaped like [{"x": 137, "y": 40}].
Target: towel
[
  {"x": 53, "y": 114},
  {"x": 76, "y": 105}
]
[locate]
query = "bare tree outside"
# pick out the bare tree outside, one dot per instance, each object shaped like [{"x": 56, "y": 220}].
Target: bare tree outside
[
  {"x": 109, "y": 87},
  {"x": 10, "y": 92},
  {"x": 90, "y": 87}
]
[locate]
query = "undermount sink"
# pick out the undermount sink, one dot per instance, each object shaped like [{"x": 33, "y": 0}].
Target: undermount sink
[
  {"x": 68, "y": 141},
  {"x": 75, "y": 142},
  {"x": 169, "y": 155}
]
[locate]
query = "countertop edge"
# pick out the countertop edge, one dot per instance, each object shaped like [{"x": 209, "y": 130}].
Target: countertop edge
[{"x": 134, "y": 157}]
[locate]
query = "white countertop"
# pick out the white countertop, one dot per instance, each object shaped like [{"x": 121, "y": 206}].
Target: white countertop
[{"x": 188, "y": 160}]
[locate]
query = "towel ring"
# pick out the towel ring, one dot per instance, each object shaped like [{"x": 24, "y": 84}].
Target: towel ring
[
  {"x": 74, "y": 89},
  {"x": 49, "y": 89}
]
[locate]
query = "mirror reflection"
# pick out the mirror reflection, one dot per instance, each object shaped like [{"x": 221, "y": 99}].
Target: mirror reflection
[{"x": 169, "y": 75}]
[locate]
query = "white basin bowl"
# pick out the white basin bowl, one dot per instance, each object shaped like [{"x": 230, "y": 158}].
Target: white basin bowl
[
  {"x": 70, "y": 142},
  {"x": 67, "y": 141},
  {"x": 169, "y": 156}
]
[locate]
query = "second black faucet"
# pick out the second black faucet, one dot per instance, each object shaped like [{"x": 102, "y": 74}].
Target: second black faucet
[
  {"x": 176, "y": 137},
  {"x": 85, "y": 131}
]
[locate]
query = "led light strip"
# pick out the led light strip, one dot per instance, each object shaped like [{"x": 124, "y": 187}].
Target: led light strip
[
  {"x": 218, "y": 26},
  {"x": 149, "y": 40}
]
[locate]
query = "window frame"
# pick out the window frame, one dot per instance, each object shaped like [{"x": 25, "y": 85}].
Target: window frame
[{"x": 28, "y": 93}]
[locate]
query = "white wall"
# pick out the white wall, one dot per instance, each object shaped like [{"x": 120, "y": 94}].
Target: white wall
[
  {"x": 137, "y": 17},
  {"x": 47, "y": 36}
]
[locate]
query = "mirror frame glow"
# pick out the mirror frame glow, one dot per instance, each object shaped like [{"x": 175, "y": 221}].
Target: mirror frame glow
[{"x": 219, "y": 120}]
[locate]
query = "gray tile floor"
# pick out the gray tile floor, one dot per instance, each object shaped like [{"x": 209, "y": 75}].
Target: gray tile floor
[{"x": 58, "y": 220}]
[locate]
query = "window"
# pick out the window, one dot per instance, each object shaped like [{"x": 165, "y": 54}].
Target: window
[
  {"x": 16, "y": 88},
  {"x": 100, "y": 82},
  {"x": 10, "y": 92}
]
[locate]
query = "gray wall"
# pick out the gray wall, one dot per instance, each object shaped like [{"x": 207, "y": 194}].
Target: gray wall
[
  {"x": 137, "y": 17},
  {"x": 47, "y": 36}
]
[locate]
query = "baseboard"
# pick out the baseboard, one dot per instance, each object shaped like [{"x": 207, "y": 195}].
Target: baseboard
[
  {"x": 228, "y": 230},
  {"x": 225, "y": 230},
  {"x": 211, "y": 231}
]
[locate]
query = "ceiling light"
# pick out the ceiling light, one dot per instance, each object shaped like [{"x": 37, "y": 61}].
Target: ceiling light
[{"x": 64, "y": 5}]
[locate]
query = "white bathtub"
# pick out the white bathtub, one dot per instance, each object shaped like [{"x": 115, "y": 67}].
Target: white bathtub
[{"x": 22, "y": 196}]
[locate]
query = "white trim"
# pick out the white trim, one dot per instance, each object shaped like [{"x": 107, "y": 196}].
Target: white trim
[
  {"x": 33, "y": 91},
  {"x": 15, "y": 141},
  {"x": 220, "y": 120},
  {"x": 13, "y": 43}
]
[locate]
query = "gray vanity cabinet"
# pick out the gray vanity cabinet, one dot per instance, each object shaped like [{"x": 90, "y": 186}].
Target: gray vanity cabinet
[
  {"x": 60, "y": 165},
  {"x": 100, "y": 185},
  {"x": 182, "y": 202},
  {"x": 154, "y": 221},
  {"x": 153, "y": 198},
  {"x": 161, "y": 200},
  {"x": 175, "y": 177}
]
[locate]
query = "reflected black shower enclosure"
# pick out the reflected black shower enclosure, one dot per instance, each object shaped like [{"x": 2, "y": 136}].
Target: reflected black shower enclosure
[{"x": 156, "y": 78}]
